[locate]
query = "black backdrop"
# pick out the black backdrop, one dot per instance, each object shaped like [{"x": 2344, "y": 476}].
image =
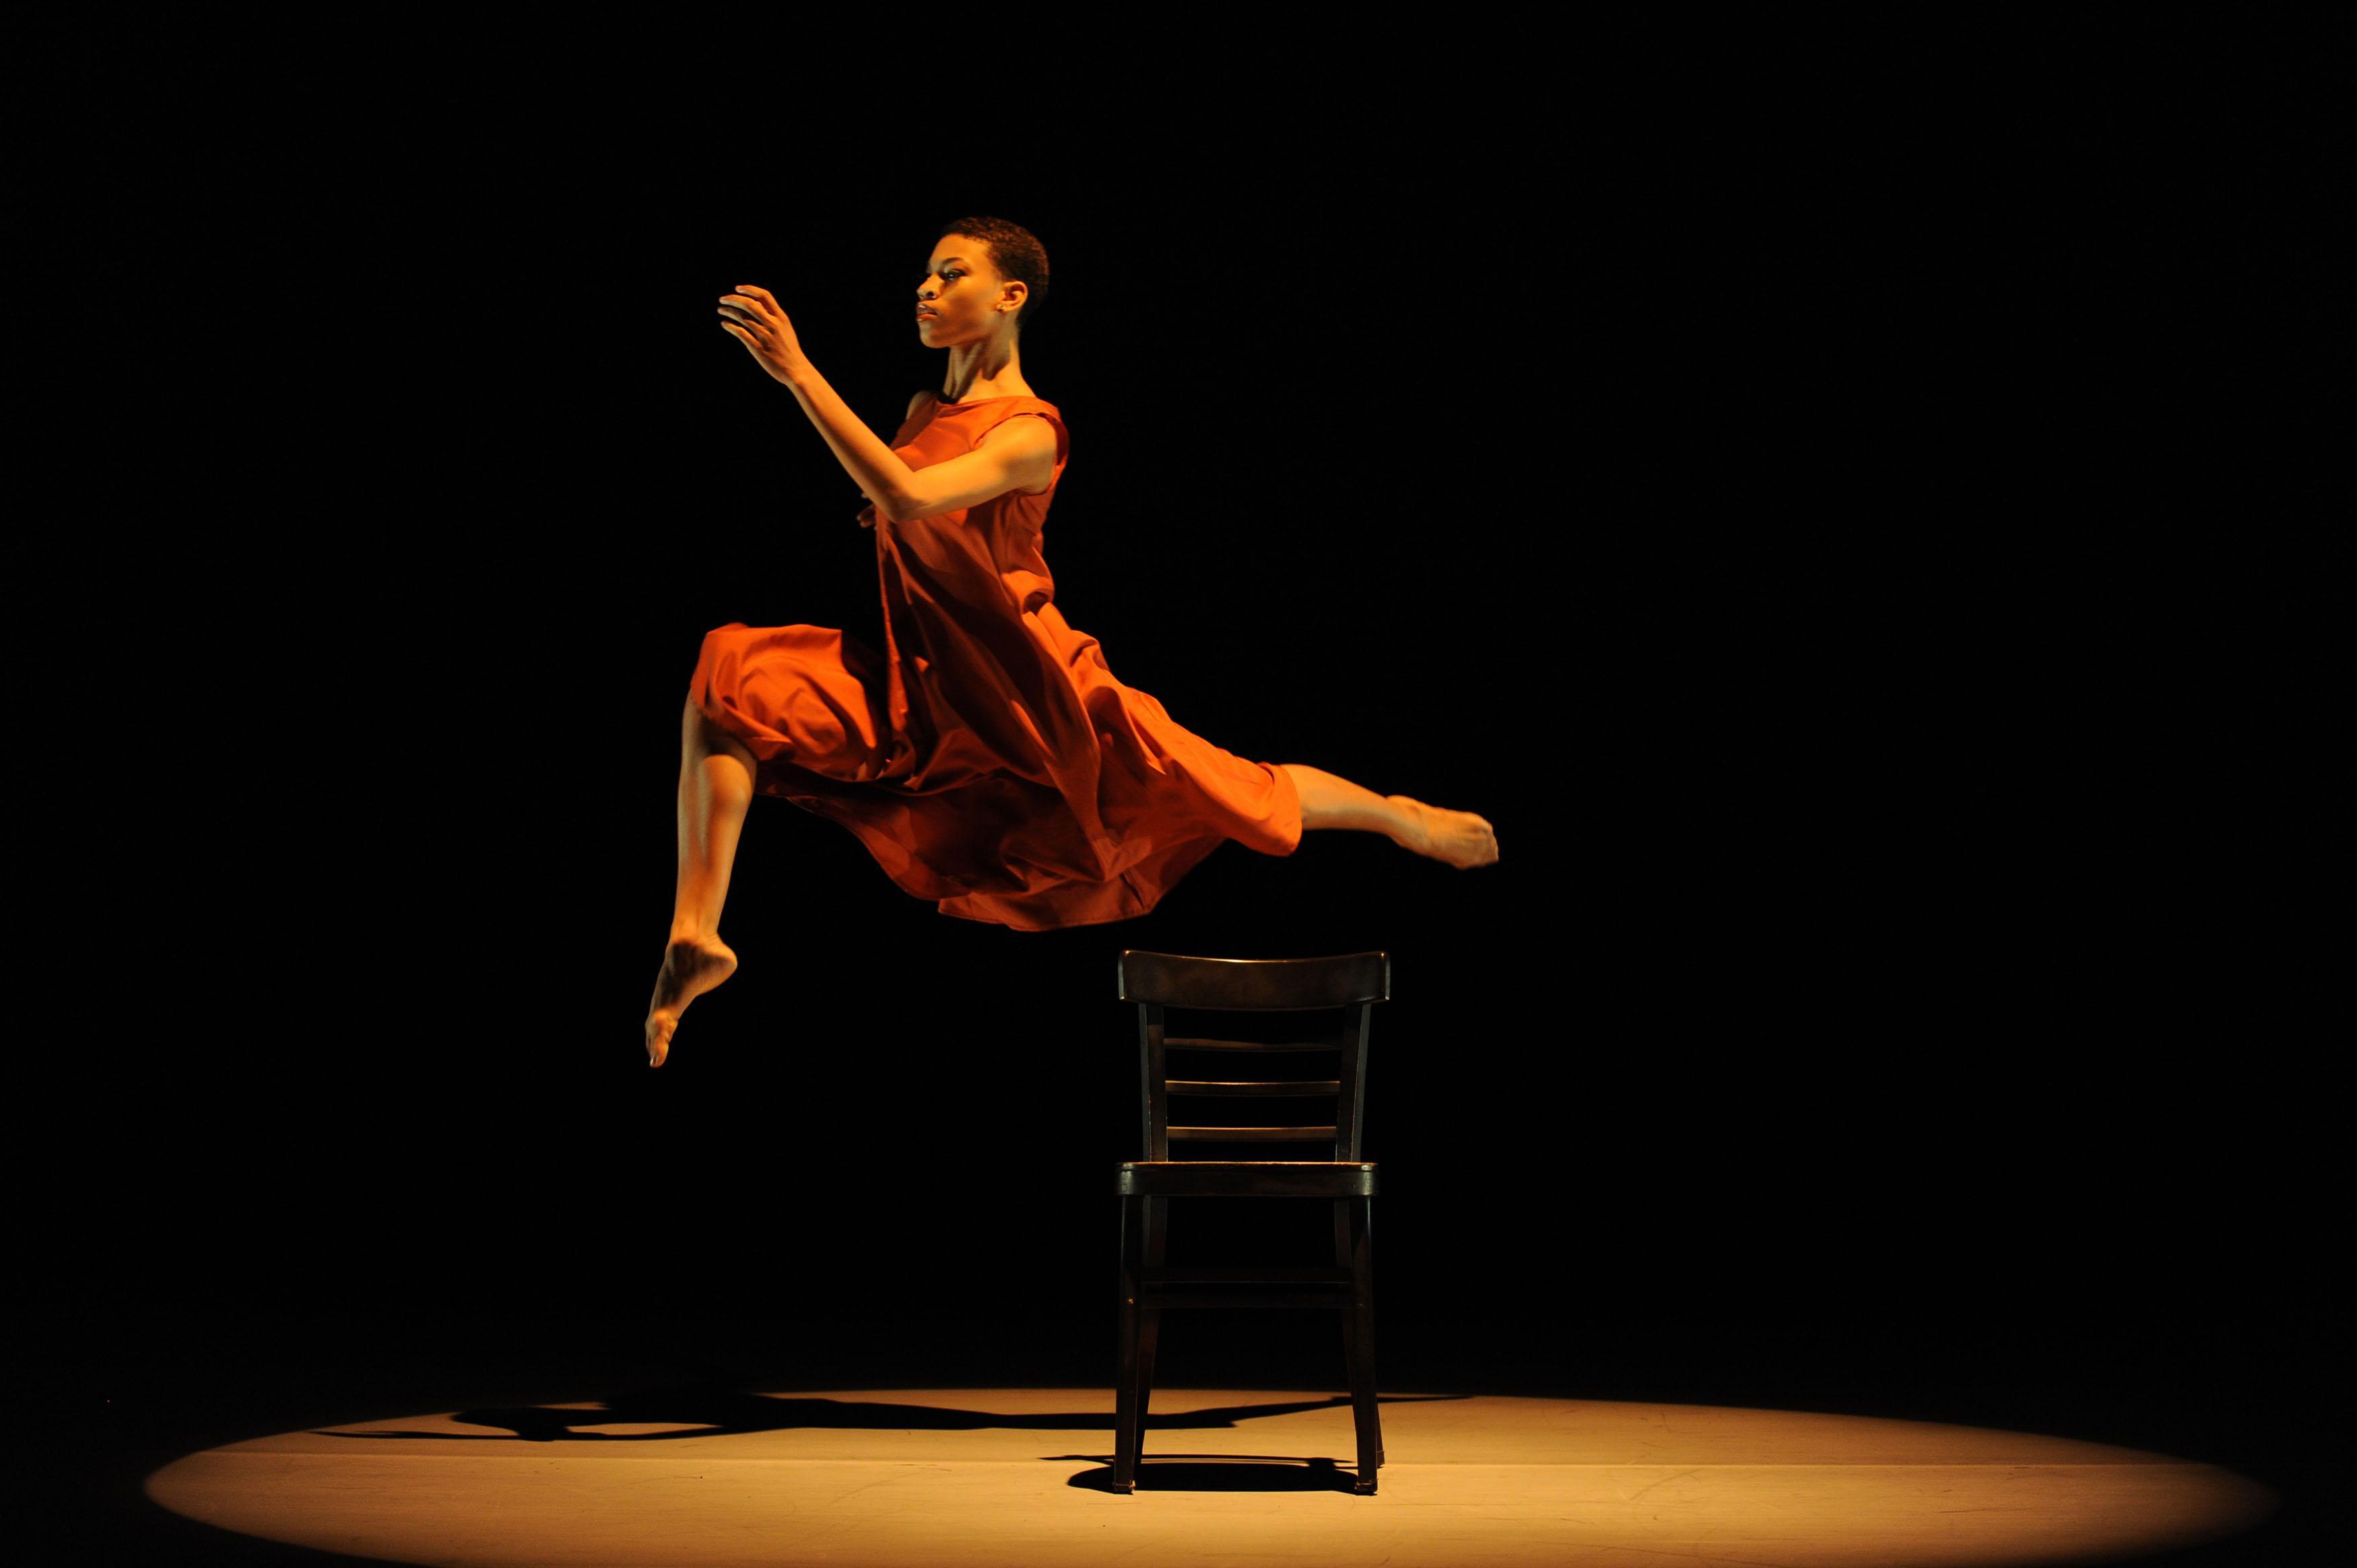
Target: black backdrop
[{"x": 1892, "y": 995}]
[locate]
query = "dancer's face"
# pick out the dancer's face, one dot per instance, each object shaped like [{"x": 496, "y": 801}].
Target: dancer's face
[{"x": 962, "y": 286}]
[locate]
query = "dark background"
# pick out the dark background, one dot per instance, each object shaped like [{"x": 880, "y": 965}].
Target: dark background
[{"x": 1775, "y": 503}]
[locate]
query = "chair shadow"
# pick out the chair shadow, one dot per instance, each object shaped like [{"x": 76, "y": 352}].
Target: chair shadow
[
  {"x": 1218, "y": 1473},
  {"x": 713, "y": 1410}
]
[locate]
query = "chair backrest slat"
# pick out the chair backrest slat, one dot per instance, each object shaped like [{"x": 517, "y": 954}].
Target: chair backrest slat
[
  {"x": 1346, "y": 984},
  {"x": 1198, "y": 1043},
  {"x": 1255, "y": 984}
]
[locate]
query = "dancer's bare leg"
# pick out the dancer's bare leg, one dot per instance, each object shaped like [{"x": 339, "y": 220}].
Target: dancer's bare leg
[
  {"x": 1328, "y": 801},
  {"x": 715, "y": 786}
]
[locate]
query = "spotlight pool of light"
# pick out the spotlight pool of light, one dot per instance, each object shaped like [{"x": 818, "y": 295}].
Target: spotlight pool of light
[{"x": 1014, "y": 1476}]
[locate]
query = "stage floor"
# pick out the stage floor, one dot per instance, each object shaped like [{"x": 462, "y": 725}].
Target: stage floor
[{"x": 1020, "y": 1477}]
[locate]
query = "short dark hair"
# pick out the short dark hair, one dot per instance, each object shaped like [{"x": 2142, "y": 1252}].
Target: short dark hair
[{"x": 1016, "y": 254}]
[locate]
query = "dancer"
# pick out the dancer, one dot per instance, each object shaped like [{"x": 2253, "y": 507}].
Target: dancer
[{"x": 987, "y": 757}]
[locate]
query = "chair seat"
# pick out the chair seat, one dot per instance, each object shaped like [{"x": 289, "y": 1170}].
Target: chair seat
[{"x": 1246, "y": 1178}]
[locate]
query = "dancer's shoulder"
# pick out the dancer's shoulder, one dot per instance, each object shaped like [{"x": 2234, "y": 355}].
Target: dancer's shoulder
[{"x": 919, "y": 401}]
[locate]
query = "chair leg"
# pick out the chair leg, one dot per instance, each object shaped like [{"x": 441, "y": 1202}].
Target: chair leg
[
  {"x": 1359, "y": 1341},
  {"x": 1158, "y": 1216},
  {"x": 1128, "y": 1418},
  {"x": 1149, "y": 1329}
]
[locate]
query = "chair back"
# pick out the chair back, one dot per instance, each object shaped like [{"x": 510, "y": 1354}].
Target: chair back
[{"x": 1246, "y": 1079}]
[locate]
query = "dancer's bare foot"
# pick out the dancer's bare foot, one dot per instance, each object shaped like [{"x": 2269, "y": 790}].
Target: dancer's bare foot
[
  {"x": 1459, "y": 838},
  {"x": 692, "y": 965}
]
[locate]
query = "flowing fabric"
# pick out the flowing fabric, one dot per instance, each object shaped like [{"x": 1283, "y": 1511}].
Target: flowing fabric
[{"x": 987, "y": 757}]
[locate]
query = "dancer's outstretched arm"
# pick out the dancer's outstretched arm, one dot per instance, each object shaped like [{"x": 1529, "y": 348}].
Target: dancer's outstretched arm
[{"x": 753, "y": 316}]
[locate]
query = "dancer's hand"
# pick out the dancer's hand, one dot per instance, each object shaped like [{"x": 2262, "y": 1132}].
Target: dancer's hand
[
  {"x": 753, "y": 316},
  {"x": 867, "y": 515}
]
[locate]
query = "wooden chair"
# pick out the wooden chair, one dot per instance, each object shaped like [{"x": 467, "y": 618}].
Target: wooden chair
[{"x": 1217, "y": 1067}]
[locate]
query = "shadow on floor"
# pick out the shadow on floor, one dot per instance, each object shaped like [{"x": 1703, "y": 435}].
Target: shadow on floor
[
  {"x": 715, "y": 1411},
  {"x": 1219, "y": 1473}
]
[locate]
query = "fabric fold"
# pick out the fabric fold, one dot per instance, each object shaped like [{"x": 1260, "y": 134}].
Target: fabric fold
[{"x": 986, "y": 755}]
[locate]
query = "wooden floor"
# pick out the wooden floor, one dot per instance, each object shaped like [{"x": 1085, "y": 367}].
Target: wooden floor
[{"x": 1014, "y": 1476}]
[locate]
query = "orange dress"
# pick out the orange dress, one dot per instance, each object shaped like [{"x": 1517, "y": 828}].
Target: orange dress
[{"x": 987, "y": 758}]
